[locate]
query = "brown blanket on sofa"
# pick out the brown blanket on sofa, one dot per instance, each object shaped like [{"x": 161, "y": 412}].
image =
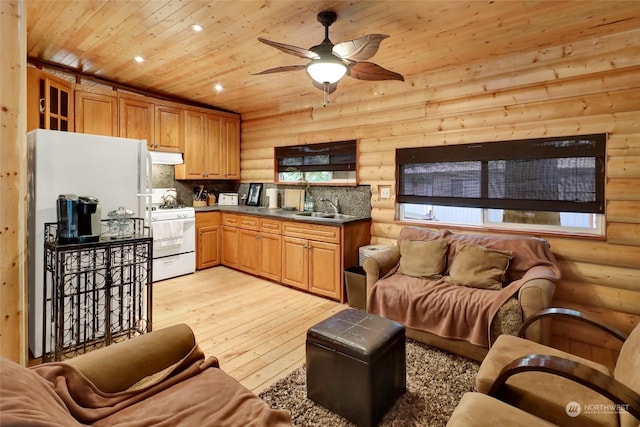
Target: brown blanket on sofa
[
  {"x": 459, "y": 312},
  {"x": 193, "y": 392}
]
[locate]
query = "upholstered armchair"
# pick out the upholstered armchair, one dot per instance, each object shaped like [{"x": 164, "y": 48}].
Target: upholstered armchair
[{"x": 562, "y": 388}]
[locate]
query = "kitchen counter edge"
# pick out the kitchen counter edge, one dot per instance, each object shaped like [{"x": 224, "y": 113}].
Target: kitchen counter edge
[{"x": 279, "y": 213}]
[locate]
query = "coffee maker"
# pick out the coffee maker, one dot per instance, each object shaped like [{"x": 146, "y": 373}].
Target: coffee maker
[{"x": 75, "y": 223}]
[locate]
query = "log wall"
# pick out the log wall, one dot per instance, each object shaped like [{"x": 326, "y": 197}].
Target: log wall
[
  {"x": 584, "y": 88},
  {"x": 13, "y": 181}
]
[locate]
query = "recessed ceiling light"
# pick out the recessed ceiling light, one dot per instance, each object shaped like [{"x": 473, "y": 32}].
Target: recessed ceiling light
[
  {"x": 138, "y": 59},
  {"x": 218, "y": 87},
  {"x": 197, "y": 28}
]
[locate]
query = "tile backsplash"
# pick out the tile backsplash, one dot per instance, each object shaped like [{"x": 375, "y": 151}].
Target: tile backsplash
[{"x": 352, "y": 200}]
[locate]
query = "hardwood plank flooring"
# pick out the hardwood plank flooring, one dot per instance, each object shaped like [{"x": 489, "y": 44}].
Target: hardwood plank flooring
[{"x": 256, "y": 328}]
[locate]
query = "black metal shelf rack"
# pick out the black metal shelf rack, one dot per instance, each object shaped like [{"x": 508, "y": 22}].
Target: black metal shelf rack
[{"x": 96, "y": 293}]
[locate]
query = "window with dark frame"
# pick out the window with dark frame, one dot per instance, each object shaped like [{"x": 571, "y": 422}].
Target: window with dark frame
[
  {"x": 327, "y": 156},
  {"x": 560, "y": 174}
]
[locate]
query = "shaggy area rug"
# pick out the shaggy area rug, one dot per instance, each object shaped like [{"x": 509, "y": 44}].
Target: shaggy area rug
[{"x": 436, "y": 380}]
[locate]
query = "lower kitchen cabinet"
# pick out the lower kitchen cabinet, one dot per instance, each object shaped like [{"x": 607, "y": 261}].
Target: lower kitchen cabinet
[
  {"x": 208, "y": 233},
  {"x": 229, "y": 246},
  {"x": 312, "y": 266},
  {"x": 312, "y": 258},
  {"x": 270, "y": 260},
  {"x": 257, "y": 244},
  {"x": 306, "y": 256},
  {"x": 325, "y": 269}
]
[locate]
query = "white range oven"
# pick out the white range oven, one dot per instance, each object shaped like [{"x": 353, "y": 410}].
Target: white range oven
[{"x": 174, "y": 235}]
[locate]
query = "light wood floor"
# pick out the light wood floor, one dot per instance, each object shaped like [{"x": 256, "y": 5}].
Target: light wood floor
[{"x": 255, "y": 328}]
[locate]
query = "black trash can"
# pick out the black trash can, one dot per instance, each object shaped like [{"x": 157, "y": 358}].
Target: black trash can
[{"x": 355, "y": 280}]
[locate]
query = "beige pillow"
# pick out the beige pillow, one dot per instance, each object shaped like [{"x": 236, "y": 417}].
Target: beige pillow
[
  {"x": 423, "y": 258},
  {"x": 479, "y": 267}
]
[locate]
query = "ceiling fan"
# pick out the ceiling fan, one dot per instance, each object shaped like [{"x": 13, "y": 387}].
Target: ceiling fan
[{"x": 329, "y": 62}]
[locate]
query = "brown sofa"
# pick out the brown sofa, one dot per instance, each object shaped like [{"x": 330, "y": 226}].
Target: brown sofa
[
  {"x": 158, "y": 379},
  {"x": 460, "y": 291}
]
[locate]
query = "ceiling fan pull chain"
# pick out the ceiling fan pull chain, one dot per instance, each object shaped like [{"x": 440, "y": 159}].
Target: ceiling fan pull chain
[{"x": 326, "y": 93}]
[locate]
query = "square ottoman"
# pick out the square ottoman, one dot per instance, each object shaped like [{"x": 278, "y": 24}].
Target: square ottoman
[{"x": 356, "y": 365}]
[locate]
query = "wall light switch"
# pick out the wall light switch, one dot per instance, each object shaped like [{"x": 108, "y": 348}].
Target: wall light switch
[{"x": 385, "y": 192}]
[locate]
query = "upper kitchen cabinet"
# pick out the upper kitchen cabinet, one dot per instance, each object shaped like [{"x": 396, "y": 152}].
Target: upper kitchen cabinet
[
  {"x": 212, "y": 146},
  {"x": 160, "y": 123},
  {"x": 96, "y": 111},
  {"x": 169, "y": 128},
  {"x": 49, "y": 101},
  {"x": 196, "y": 150},
  {"x": 231, "y": 147},
  {"x": 136, "y": 118}
]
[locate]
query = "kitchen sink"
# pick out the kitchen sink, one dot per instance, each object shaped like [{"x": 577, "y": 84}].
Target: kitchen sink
[{"x": 323, "y": 215}]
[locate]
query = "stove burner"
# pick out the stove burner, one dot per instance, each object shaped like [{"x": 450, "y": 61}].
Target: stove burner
[{"x": 172, "y": 206}]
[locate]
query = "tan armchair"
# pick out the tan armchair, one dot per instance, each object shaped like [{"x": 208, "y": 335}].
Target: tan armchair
[
  {"x": 563, "y": 388},
  {"x": 159, "y": 378}
]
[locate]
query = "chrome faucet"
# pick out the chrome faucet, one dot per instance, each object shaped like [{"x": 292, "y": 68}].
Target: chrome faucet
[{"x": 334, "y": 205}]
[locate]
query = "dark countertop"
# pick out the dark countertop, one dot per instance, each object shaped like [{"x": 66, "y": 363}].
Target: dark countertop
[{"x": 285, "y": 214}]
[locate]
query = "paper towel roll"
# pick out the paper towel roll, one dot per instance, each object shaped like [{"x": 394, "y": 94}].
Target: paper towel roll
[{"x": 272, "y": 194}]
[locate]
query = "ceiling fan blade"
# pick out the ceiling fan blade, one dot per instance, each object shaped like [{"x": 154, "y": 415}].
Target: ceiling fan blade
[
  {"x": 281, "y": 69},
  {"x": 371, "y": 71},
  {"x": 291, "y": 50},
  {"x": 359, "y": 49},
  {"x": 332, "y": 87}
]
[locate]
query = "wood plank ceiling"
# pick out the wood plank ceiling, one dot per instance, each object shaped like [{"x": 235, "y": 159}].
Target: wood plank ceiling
[{"x": 100, "y": 38}]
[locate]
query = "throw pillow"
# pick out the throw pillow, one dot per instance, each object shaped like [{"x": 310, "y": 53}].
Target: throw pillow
[
  {"x": 423, "y": 258},
  {"x": 479, "y": 267}
]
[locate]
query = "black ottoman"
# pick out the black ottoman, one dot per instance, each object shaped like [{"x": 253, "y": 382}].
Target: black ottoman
[{"x": 356, "y": 365}]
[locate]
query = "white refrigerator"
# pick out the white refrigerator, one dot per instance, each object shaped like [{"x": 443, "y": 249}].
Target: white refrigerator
[{"x": 116, "y": 171}]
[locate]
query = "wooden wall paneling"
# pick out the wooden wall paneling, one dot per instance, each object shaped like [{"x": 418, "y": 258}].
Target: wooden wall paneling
[
  {"x": 623, "y": 189},
  {"x": 623, "y": 211},
  {"x": 623, "y": 233},
  {"x": 606, "y": 275},
  {"x": 571, "y": 330},
  {"x": 620, "y": 123},
  {"x": 553, "y": 90},
  {"x": 13, "y": 163},
  {"x": 623, "y": 145},
  {"x": 618, "y": 319},
  {"x": 383, "y": 215},
  {"x": 594, "y": 251},
  {"x": 623, "y": 167},
  {"x": 603, "y": 296}
]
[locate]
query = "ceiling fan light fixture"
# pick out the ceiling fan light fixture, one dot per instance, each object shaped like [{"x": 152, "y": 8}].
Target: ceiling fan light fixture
[{"x": 326, "y": 71}]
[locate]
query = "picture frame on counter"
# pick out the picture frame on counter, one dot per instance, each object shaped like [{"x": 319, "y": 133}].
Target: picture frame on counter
[{"x": 255, "y": 191}]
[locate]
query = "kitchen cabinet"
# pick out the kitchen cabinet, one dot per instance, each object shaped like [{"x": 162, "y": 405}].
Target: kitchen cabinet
[
  {"x": 49, "y": 101},
  {"x": 249, "y": 245},
  {"x": 307, "y": 256},
  {"x": 270, "y": 239},
  {"x": 231, "y": 148},
  {"x": 256, "y": 244},
  {"x": 212, "y": 146},
  {"x": 312, "y": 258},
  {"x": 169, "y": 128},
  {"x": 208, "y": 234},
  {"x": 201, "y": 149},
  {"x": 229, "y": 239},
  {"x": 136, "y": 118},
  {"x": 96, "y": 111}
]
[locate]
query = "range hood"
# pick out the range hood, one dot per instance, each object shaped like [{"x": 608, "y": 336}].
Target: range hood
[{"x": 164, "y": 158}]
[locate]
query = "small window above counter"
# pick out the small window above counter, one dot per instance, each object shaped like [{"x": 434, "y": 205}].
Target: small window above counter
[{"x": 324, "y": 163}]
